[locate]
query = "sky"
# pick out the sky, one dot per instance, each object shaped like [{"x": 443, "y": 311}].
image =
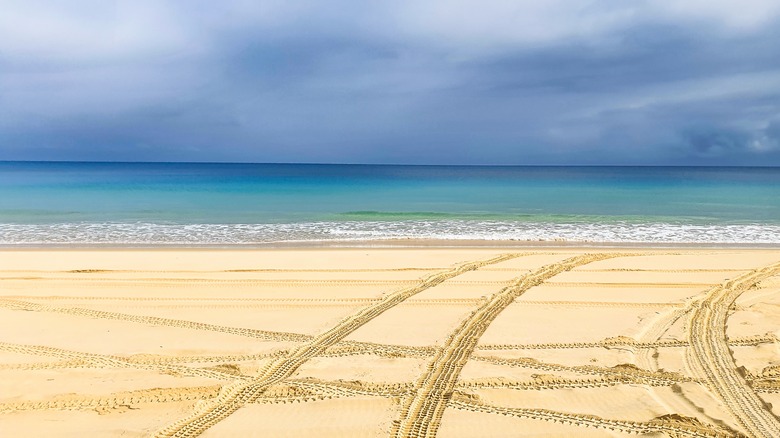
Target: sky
[{"x": 613, "y": 82}]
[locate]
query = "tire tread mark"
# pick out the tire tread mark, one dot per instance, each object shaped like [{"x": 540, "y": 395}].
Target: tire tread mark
[
  {"x": 235, "y": 395},
  {"x": 672, "y": 426},
  {"x": 623, "y": 341},
  {"x": 710, "y": 358},
  {"x": 106, "y": 361},
  {"x": 421, "y": 412},
  {"x": 627, "y": 372},
  {"x": 154, "y": 320},
  {"x": 127, "y": 398}
]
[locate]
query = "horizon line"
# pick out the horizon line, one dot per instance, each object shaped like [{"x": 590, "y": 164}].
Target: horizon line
[{"x": 383, "y": 164}]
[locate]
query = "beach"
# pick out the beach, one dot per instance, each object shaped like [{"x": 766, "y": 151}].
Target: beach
[
  {"x": 390, "y": 219},
  {"x": 389, "y": 341}
]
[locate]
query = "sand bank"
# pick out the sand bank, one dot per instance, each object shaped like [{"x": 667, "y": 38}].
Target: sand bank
[{"x": 390, "y": 342}]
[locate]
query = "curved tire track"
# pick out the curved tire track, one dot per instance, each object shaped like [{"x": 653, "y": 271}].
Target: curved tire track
[
  {"x": 421, "y": 413},
  {"x": 233, "y": 396},
  {"x": 710, "y": 359}
]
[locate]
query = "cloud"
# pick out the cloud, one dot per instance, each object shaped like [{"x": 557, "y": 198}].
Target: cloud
[
  {"x": 709, "y": 143},
  {"x": 525, "y": 82},
  {"x": 733, "y": 146},
  {"x": 89, "y": 32},
  {"x": 769, "y": 140},
  {"x": 735, "y": 15}
]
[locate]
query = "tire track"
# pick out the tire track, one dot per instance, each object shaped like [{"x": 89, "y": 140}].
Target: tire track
[
  {"x": 353, "y": 348},
  {"x": 300, "y": 302},
  {"x": 136, "y": 359},
  {"x": 624, "y": 341},
  {"x": 647, "y": 358},
  {"x": 306, "y": 390},
  {"x": 710, "y": 359},
  {"x": 628, "y": 285},
  {"x": 313, "y": 301},
  {"x": 673, "y": 425},
  {"x": 666, "y": 271},
  {"x": 345, "y": 348},
  {"x": 607, "y": 304},
  {"x": 627, "y": 372},
  {"x": 621, "y": 342},
  {"x": 208, "y": 303},
  {"x": 106, "y": 361},
  {"x": 30, "y": 366},
  {"x": 341, "y": 388},
  {"x": 127, "y": 398},
  {"x": 382, "y": 349},
  {"x": 769, "y": 386},
  {"x": 233, "y": 396},
  {"x": 771, "y": 372},
  {"x": 154, "y": 320},
  {"x": 277, "y": 394},
  {"x": 293, "y": 388},
  {"x": 176, "y": 282},
  {"x": 205, "y": 271},
  {"x": 421, "y": 413}
]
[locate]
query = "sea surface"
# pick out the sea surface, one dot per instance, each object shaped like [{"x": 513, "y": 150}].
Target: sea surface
[{"x": 198, "y": 204}]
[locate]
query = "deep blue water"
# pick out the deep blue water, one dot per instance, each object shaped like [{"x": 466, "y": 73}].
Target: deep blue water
[{"x": 45, "y": 202}]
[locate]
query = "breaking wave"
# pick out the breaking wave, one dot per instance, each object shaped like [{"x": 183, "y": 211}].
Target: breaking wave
[{"x": 118, "y": 233}]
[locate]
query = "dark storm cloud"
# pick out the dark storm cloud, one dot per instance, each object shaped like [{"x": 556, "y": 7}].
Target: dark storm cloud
[
  {"x": 714, "y": 143},
  {"x": 553, "y": 82},
  {"x": 773, "y": 135}
]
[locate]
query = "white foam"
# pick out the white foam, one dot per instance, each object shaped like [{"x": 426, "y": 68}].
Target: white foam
[{"x": 194, "y": 234}]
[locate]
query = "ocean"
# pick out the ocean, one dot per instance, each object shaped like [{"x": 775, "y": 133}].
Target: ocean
[{"x": 225, "y": 204}]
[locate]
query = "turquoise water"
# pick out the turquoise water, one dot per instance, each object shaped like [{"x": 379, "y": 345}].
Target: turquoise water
[{"x": 158, "y": 203}]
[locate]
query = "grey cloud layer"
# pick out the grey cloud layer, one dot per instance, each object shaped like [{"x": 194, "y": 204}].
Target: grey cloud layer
[{"x": 419, "y": 82}]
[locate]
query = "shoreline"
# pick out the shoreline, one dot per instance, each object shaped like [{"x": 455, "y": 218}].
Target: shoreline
[{"x": 390, "y": 244}]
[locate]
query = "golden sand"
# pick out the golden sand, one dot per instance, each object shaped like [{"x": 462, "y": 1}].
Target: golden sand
[{"x": 390, "y": 342}]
